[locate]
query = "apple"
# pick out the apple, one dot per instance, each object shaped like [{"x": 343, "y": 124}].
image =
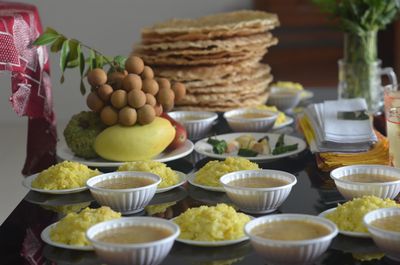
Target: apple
[{"x": 180, "y": 132}]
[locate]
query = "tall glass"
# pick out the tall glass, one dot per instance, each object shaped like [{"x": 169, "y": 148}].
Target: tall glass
[{"x": 392, "y": 113}]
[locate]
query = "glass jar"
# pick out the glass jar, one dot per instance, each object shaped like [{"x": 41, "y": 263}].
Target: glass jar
[{"x": 364, "y": 80}]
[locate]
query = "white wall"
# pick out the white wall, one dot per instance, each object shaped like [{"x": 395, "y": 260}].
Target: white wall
[{"x": 111, "y": 26}]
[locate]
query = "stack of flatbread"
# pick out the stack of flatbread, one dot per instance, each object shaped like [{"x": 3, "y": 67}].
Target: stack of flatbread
[{"x": 217, "y": 57}]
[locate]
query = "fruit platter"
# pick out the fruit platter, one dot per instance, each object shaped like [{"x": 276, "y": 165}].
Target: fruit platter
[{"x": 128, "y": 119}]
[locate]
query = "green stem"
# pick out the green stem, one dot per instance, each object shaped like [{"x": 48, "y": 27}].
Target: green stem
[{"x": 97, "y": 52}]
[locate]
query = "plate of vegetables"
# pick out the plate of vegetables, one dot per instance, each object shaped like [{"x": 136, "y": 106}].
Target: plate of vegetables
[{"x": 253, "y": 146}]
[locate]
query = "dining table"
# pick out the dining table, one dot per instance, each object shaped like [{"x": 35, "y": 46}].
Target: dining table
[{"x": 315, "y": 192}]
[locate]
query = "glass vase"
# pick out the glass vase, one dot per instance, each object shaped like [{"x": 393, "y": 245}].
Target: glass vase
[{"x": 360, "y": 72}]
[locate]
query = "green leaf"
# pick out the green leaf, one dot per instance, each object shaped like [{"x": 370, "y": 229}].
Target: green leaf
[
  {"x": 62, "y": 78},
  {"x": 64, "y": 56},
  {"x": 120, "y": 62},
  {"x": 99, "y": 60},
  {"x": 82, "y": 88},
  {"x": 73, "y": 58},
  {"x": 51, "y": 30},
  {"x": 45, "y": 38},
  {"x": 92, "y": 59},
  {"x": 81, "y": 61},
  {"x": 57, "y": 44}
]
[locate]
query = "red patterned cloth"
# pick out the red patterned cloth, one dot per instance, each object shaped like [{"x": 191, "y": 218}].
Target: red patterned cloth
[{"x": 30, "y": 81}]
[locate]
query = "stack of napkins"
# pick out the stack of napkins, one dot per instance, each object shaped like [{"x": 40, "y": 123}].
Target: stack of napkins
[{"x": 339, "y": 126}]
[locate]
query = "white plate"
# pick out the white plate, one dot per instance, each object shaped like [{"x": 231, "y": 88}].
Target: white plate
[
  {"x": 306, "y": 94},
  {"x": 343, "y": 232},
  {"x": 65, "y": 153},
  {"x": 288, "y": 121},
  {"x": 202, "y": 147},
  {"x": 182, "y": 179},
  {"x": 27, "y": 182},
  {"x": 210, "y": 188},
  {"x": 212, "y": 243},
  {"x": 45, "y": 235}
]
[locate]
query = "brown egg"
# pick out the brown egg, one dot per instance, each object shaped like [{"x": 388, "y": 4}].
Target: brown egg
[
  {"x": 163, "y": 83},
  {"x": 131, "y": 81},
  {"x": 158, "y": 109},
  {"x": 104, "y": 92},
  {"x": 134, "y": 65},
  {"x": 109, "y": 116},
  {"x": 147, "y": 73},
  {"x": 97, "y": 77},
  {"x": 146, "y": 114},
  {"x": 119, "y": 99},
  {"x": 151, "y": 100},
  {"x": 150, "y": 86},
  {"x": 136, "y": 98},
  {"x": 115, "y": 79},
  {"x": 166, "y": 97},
  {"x": 179, "y": 90},
  {"x": 127, "y": 116},
  {"x": 94, "y": 102}
]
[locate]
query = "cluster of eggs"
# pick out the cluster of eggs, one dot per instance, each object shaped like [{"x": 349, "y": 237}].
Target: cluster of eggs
[{"x": 133, "y": 96}]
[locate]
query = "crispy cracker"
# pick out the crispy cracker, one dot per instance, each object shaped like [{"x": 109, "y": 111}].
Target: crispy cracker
[
  {"x": 200, "y": 52},
  {"x": 193, "y": 73},
  {"x": 211, "y": 45},
  {"x": 238, "y": 23},
  {"x": 204, "y": 59},
  {"x": 249, "y": 73},
  {"x": 238, "y": 91}
]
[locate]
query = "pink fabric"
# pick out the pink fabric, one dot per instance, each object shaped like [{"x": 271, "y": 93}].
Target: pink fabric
[{"x": 30, "y": 81}]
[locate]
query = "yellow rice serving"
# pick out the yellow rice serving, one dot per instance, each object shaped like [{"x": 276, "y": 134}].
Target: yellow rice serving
[
  {"x": 64, "y": 175},
  {"x": 210, "y": 174},
  {"x": 211, "y": 223},
  {"x": 168, "y": 176}
]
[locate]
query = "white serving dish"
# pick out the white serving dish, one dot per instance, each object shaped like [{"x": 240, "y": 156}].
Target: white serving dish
[
  {"x": 204, "y": 148},
  {"x": 64, "y": 153},
  {"x": 196, "y": 128},
  {"x": 27, "y": 182},
  {"x": 345, "y": 232},
  {"x": 282, "y": 252},
  {"x": 388, "y": 241},
  {"x": 150, "y": 253},
  {"x": 351, "y": 189},
  {"x": 284, "y": 98},
  {"x": 262, "y": 124},
  {"x": 126, "y": 201},
  {"x": 258, "y": 200}
]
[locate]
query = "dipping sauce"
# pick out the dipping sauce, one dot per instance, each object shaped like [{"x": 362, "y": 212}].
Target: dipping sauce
[
  {"x": 369, "y": 178},
  {"x": 124, "y": 183},
  {"x": 250, "y": 115},
  {"x": 391, "y": 223},
  {"x": 290, "y": 230},
  {"x": 133, "y": 235},
  {"x": 259, "y": 182},
  {"x": 190, "y": 118}
]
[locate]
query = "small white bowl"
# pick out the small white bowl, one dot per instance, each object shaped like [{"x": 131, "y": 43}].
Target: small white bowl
[
  {"x": 351, "y": 189},
  {"x": 126, "y": 201},
  {"x": 287, "y": 252},
  {"x": 284, "y": 98},
  {"x": 150, "y": 253},
  {"x": 258, "y": 200},
  {"x": 196, "y": 128},
  {"x": 388, "y": 241},
  {"x": 239, "y": 124}
]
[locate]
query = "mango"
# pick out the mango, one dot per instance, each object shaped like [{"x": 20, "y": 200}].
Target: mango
[{"x": 138, "y": 142}]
